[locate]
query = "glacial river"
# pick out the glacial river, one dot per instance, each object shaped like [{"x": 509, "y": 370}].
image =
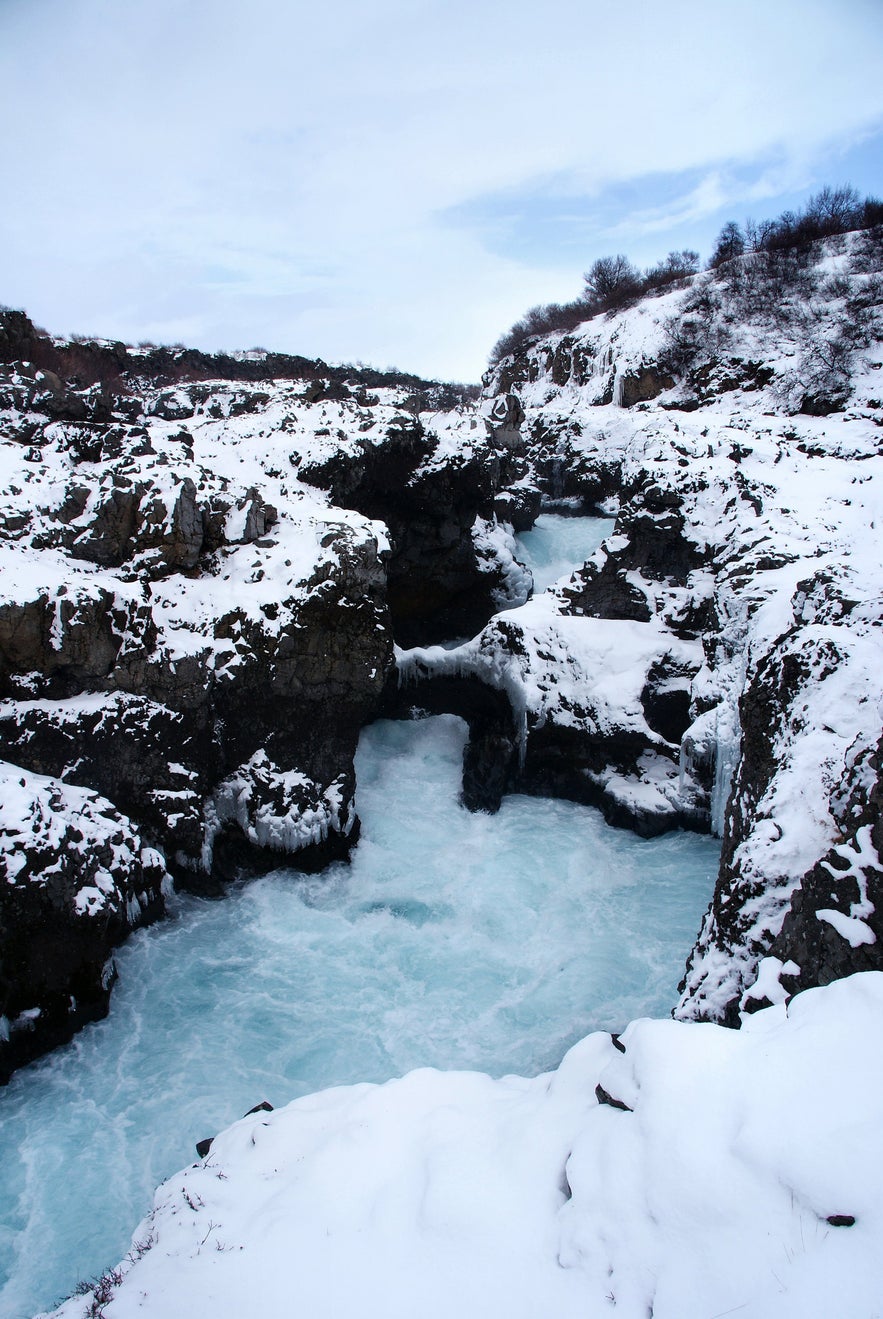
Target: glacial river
[{"x": 451, "y": 940}]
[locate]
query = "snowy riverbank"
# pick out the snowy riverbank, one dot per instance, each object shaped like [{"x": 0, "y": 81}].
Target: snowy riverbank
[{"x": 722, "y": 1172}]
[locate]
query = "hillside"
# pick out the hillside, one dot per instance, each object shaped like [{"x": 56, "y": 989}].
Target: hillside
[{"x": 716, "y": 662}]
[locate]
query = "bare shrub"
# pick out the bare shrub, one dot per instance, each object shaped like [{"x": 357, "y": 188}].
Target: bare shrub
[{"x": 612, "y": 282}]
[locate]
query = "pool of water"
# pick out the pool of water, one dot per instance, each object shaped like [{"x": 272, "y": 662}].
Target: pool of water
[
  {"x": 556, "y": 545},
  {"x": 453, "y": 940}
]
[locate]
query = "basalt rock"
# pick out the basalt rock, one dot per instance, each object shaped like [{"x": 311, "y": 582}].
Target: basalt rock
[
  {"x": 154, "y": 763},
  {"x": 74, "y": 879},
  {"x": 435, "y": 587},
  {"x": 201, "y": 653},
  {"x": 490, "y": 758},
  {"x": 834, "y": 924},
  {"x": 646, "y": 383},
  {"x": 65, "y": 640}
]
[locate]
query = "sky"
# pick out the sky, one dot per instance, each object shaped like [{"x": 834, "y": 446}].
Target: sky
[{"x": 397, "y": 181}]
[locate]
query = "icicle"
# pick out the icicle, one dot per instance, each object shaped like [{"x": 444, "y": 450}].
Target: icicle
[{"x": 726, "y": 758}]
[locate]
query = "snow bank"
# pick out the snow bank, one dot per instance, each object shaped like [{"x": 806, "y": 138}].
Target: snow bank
[{"x": 721, "y": 1172}]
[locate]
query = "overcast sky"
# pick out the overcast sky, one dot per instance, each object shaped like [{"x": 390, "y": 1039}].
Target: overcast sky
[{"x": 397, "y": 181}]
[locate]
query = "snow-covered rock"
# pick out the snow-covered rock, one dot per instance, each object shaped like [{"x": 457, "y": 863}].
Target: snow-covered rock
[
  {"x": 231, "y": 553},
  {"x": 75, "y": 877},
  {"x": 748, "y": 545},
  {"x": 197, "y": 593}
]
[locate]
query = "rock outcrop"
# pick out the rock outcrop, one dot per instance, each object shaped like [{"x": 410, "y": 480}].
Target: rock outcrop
[
  {"x": 205, "y": 561},
  {"x": 75, "y": 877},
  {"x": 195, "y": 621}
]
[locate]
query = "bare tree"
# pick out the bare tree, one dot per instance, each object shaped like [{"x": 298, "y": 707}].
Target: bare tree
[
  {"x": 730, "y": 244},
  {"x": 612, "y": 282}
]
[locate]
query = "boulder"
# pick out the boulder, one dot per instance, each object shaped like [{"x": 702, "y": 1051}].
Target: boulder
[{"x": 75, "y": 878}]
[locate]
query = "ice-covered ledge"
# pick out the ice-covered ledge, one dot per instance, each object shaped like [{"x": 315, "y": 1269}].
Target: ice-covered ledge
[{"x": 701, "y": 1171}]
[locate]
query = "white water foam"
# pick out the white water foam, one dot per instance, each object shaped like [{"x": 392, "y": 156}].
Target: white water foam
[
  {"x": 557, "y": 544},
  {"x": 453, "y": 940}
]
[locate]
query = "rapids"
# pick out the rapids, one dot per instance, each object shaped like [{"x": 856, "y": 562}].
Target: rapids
[{"x": 451, "y": 940}]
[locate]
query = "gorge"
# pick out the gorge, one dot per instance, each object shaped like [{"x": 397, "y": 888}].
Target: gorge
[{"x": 216, "y": 574}]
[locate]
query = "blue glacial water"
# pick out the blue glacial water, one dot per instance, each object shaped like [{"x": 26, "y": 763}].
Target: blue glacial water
[
  {"x": 453, "y": 940},
  {"x": 555, "y": 545}
]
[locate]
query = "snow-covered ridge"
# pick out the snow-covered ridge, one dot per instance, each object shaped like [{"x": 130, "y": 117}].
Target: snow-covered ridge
[
  {"x": 750, "y": 486},
  {"x": 678, "y": 1170}
]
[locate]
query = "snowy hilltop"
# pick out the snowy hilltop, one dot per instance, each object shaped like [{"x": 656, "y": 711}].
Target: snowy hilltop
[{"x": 217, "y": 571}]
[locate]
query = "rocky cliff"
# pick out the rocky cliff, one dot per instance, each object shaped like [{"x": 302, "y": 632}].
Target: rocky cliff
[
  {"x": 197, "y": 606},
  {"x": 716, "y": 664}
]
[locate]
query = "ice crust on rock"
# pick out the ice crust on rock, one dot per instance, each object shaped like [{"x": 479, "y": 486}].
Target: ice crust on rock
[
  {"x": 276, "y": 809},
  {"x": 745, "y": 1177}
]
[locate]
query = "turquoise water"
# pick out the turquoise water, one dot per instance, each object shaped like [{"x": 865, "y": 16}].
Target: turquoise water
[
  {"x": 455, "y": 940},
  {"x": 556, "y": 545},
  {"x": 452, "y": 940}
]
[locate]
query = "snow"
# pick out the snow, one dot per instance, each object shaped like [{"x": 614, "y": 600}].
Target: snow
[
  {"x": 850, "y": 928},
  {"x": 587, "y": 671},
  {"x": 742, "y": 1171},
  {"x": 299, "y": 813},
  {"x": 768, "y": 985},
  {"x": 496, "y": 548},
  {"x": 718, "y": 1189},
  {"x": 450, "y": 939},
  {"x": 66, "y": 820}
]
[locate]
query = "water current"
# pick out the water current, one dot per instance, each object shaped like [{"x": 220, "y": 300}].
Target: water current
[
  {"x": 555, "y": 544},
  {"x": 451, "y": 940}
]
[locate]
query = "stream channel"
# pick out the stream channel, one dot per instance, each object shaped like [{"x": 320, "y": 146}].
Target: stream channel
[{"x": 451, "y": 940}]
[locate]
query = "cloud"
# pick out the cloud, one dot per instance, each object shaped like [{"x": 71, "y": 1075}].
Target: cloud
[{"x": 317, "y": 178}]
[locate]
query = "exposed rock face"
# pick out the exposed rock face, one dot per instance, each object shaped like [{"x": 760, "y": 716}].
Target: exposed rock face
[
  {"x": 576, "y": 724},
  {"x": 800, "y": 867},
  {"x": 75, "y": 877},
  {"x": 261, "y": 811},
  {"x": 834, "y": 925},
  {"x": 429, "y": 496},
  {"x": 197, "y": 622}
]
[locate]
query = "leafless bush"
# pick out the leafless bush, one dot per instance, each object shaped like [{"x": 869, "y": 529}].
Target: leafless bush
[{"x": 613, "y": 282}]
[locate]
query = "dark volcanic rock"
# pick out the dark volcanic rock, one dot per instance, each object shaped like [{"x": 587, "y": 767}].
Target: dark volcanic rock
[
  {"x": 435, "y": 587},
  {"x": 834, "y": 926},
  {"x": 646, "y": 383},
  {"x": 154, "y": 763},
  {"x": 74, "y": 879},
  {"x": 69, "y": 639}
]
